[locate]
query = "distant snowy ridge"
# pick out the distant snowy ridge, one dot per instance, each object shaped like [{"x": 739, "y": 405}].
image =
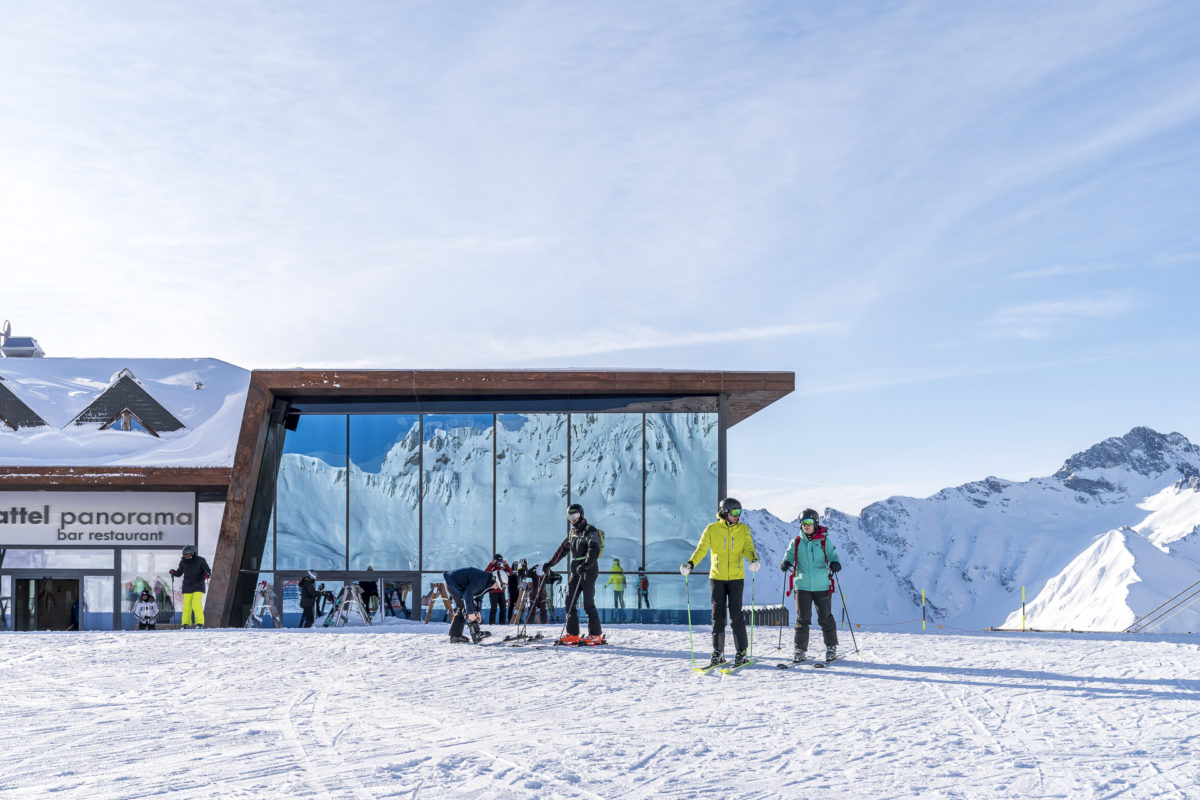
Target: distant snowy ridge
[{"x": 1105, "y": 539}]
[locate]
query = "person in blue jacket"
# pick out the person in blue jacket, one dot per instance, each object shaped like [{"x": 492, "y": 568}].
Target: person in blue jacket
[
  {"x": 468, "y": 586},
  {"x": 812, "y": 559}
]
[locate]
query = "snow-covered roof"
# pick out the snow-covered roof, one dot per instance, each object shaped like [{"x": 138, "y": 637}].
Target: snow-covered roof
[{"x": 206, "y": 395}]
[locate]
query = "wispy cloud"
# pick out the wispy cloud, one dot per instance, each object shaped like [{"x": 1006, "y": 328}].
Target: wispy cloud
[
  {"x": 1061, "y": 270},
  {"x": 1050, "y": 318},
  {"x": 931, "y": 376}
]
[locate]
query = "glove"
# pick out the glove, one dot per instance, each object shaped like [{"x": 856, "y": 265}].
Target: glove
[
  {"x": 207, "y": 576},
  {"x": 686, "y": 568},
  {"x": 173, "y": 573},
  {"x": 545, "y": 567},
  {"x": 754, "y": 565},
  {"x": 835, "y": 566},
  {"x": 785, "y": 566}
]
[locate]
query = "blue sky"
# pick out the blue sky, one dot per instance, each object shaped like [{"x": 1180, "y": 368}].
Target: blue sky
[{"x": 969, "y": 229}]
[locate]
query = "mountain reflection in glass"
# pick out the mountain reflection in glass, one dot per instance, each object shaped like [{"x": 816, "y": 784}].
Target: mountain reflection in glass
[
  {"x": 385, "y": 454},
  {"x": 310, "y": 516},
  {"x": 681, "y": 493},
  {"x": 531, "y": 485},
  {"x": 457, "y": 454},
  {"x": 606, "y": 479}
]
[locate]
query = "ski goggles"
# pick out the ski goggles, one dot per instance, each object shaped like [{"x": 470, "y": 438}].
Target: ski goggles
[
  {"x": 574, "y": 516},
  {"x": 734, "y": 512},
  {"x": 808, "y": 522}
]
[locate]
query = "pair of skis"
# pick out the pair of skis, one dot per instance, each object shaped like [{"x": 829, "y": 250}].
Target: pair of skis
[
  {"x": 726, "y": 668},
  {"x": 814, "y": 665}
]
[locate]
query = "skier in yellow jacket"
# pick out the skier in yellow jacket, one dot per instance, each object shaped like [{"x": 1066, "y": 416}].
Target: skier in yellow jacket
[{"x": 730, "y": 544}]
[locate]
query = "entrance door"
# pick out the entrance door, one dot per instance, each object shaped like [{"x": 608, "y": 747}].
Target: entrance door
[{"x": 47, "y": 604}]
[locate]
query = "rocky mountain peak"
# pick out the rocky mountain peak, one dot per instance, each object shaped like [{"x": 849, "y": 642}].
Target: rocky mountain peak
[{"x": 1145, "y": 451}]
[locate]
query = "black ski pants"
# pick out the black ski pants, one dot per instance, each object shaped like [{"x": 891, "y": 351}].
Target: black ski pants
[
  {"x": 306, "y": 616},
  {"x": 496, "y": 600},
  {"x": 583, "y": 585},
  {"x": 643, "y": 594},
  {"x": 728, "y": 595},
  {"x": 460, "y": 618},
  {"x": 804, "y": 606}
]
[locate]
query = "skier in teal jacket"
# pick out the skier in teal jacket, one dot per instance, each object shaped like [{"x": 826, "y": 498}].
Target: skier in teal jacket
[{"x": 812, "y": 559}]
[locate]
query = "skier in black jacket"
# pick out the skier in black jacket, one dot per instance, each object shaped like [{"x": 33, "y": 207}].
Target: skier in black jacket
[
  {"x": 308, "y": 598},
  {"x": 468, "y": 586},
  {"x": 583, "y": 543},
  {"x": 195, "y": 571}
]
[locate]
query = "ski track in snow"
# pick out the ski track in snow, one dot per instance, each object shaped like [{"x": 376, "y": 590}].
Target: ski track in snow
[{"x": 398, "y": 712}]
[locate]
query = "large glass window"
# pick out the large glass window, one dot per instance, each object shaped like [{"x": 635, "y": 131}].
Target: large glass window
[
  {"x": 385, "y": 485},
  {"x": 458, "y": 459},
  {"x": 97, "y": 603},
  {"x": 438, "y": 491},
  {"x": 58, "y": 559},
  {"x": 6, "y": 603},
  {"x": 681, "y": 485},
  {"x": 606, "y": 479},
  {"x": 310, "y": 497},
  {"x": 531, "y": 485},
  {"x": 142, "y": 569}
]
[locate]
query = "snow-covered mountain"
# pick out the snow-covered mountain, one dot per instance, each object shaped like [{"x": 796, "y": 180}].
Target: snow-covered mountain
[{"x": 1105, "y": 539}]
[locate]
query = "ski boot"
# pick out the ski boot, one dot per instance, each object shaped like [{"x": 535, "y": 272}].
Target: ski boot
[
  {"x": 201, "y": 625},
  {"x": 570, "y": 638},
  {"x": 594, "y": 639},
  {"x": 459, "y": 640},
  {"x": 718, "y": 658},
  {"x": 741, "y": 659},
  {"x": 187, "y": 627},
  {"x": 800, "y": 656},
  {"x": 476, "y": 634},
  {"x": 830, "y": 654}
]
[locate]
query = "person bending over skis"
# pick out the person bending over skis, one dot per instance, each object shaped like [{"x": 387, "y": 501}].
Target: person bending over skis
[
  {"x": 468, "y": 586},
  {"x": 813, "y": 559}
]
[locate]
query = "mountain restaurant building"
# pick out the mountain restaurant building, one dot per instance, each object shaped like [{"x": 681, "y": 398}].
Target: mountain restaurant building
[{"x": 370, "y": 475}]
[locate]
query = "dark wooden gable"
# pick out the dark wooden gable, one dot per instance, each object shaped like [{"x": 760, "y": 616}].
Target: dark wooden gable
[
  {"x": 14, "y": 413},
  {"x": 127, "y": 395}
]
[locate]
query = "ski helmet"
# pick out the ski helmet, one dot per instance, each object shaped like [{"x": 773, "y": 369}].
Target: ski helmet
[
  {"x": 811, "y": 514},
  {"x": 189, "y": 550},
  {"x": 727, "y": 508},
  {"x": 312, "y": 574},
  {"x": 574, "y": 508}
]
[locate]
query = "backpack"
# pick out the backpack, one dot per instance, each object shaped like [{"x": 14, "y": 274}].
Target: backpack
[{"x": 600, "y": 534}]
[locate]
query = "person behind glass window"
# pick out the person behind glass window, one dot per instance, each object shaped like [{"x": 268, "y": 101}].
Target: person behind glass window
[
  {"x": 370, "y": 593},
  {"x": 146, "y": 610},
  {"x": 617, "y": 581},
  {"x": 497, "y": 597},
  {"x": 308, "y": 599},
  {"x": 643, "y": 587}
]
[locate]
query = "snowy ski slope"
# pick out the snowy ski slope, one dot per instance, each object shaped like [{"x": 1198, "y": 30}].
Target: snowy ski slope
[{"x": 397, "y": 712}]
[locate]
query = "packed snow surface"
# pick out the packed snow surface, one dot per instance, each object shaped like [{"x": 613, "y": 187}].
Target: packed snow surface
[{"x": 397, "y": 711}]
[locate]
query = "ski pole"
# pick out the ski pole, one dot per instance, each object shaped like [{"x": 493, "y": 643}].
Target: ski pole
[
  {"x": 752, "y": 574},
  {"x": 782, "y": 603},
  {"x": 688, "y": 602},
  {"x": 839, "y": 585}
]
